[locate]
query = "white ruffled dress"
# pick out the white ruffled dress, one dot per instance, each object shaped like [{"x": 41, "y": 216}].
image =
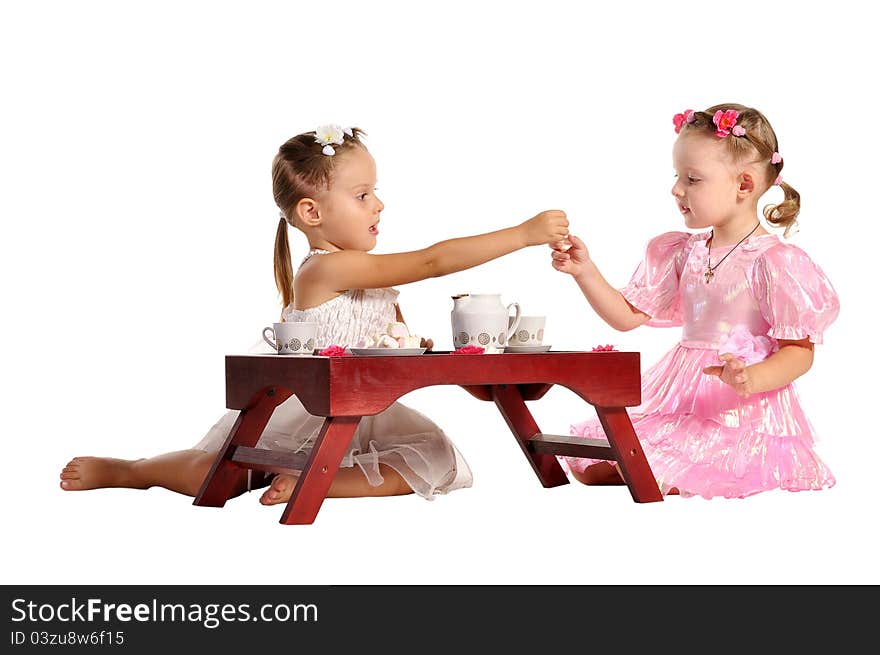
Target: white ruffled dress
[{"x": 399, "y": 437}]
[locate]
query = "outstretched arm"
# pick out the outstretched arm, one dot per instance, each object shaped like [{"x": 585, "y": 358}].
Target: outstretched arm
[
  {"x": 607, "y": 301},
  {"x": 792, "y": 360},
  {"x": 349, "y": 269}
]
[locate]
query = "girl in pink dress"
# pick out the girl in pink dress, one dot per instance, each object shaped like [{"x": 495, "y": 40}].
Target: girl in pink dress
[{"x": 719, "y": 413}]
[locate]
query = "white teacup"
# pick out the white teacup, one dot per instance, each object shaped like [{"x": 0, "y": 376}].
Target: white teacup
[
  {"x": 294, "y": 338},
  {"x": 529, "y": 332}
]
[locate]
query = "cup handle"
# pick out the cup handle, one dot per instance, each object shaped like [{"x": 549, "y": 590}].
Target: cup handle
[
  {"x": 268, "y": 340},
  {"x": 512, "y": 329}
]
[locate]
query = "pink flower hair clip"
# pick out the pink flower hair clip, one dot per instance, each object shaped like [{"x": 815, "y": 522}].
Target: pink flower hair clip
[
  {"x": 725, "y": 123},
  {"x": 775, "y": 158},
  {"x": 687, "y": 116}
]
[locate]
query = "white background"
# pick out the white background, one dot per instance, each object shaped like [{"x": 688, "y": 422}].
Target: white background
[{"x": 138, "y": 228}]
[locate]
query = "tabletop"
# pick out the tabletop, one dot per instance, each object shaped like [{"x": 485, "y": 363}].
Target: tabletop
[{"x": 365, "y": 385}]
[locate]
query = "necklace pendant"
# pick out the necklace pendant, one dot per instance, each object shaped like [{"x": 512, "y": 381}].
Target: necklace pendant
[{"x": 709, "y": 274}]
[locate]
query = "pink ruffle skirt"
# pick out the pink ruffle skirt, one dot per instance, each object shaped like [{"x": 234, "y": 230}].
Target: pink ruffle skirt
[{"x": 703, "y": 439}]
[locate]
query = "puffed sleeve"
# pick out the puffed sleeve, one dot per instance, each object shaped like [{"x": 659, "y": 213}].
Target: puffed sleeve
[
  {"x": 795, "y": 296},
  {"x": 654, "y": 287}
]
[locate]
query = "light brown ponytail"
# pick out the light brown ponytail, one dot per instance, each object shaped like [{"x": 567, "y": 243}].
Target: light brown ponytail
[{"x": 283, "y": 267}]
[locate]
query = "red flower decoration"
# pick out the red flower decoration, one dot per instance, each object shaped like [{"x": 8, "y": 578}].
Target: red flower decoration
[
  {"x": 687, "y": 116},
  {"x": 724, "y": 121},
  {"x": 468, "y": 350},
  {"x": 603, "y": 349},
  {"x": 334, "y": 351}
]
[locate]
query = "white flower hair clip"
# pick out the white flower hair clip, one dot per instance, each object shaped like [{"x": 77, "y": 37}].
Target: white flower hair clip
[{"x": 328, "y": 135}]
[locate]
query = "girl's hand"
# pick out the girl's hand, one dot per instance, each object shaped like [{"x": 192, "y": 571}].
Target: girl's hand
[
  {"x": 733, "y": 372},
  {"x": 547, "y": 227},
  {"x": 571, "y": 260},
  {"x": 427, "y": 343}
]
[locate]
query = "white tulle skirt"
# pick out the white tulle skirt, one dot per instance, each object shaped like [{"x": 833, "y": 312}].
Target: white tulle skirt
[{"x": 399, "y": 437}]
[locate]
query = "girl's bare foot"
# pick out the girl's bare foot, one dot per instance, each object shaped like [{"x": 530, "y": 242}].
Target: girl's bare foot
[
  {"x": 83, "y": 473},
  {"x": 279, "y": 490},
  {"x": 606, "y": 473},
  {"x": 601, "y": 474}
]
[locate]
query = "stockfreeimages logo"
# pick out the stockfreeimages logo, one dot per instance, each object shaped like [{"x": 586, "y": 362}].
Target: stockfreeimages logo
[{"x": 209, "y": 615}]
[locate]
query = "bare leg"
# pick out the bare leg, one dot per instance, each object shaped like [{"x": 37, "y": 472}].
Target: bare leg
[
  {"x": 349, "y": 482},
  {"x": 182, "y": 471}
]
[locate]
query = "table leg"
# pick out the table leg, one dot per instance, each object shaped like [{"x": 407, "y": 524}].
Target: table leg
[
  {"x": 630, "y": 456},
  {"x": 320, "y": 468},
  {"x": 224, "y": 476},
  {"x": 521, "y": 422}
]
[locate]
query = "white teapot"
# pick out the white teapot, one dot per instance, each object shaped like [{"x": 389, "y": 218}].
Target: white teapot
[{"x": 481, "y": 319}]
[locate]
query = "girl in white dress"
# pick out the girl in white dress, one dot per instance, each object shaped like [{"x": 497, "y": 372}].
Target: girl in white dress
[{"x": 324, "y": 184}]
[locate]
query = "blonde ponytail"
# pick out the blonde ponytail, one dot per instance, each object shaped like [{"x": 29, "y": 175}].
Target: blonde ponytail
[{"x": 786, "y": 212}]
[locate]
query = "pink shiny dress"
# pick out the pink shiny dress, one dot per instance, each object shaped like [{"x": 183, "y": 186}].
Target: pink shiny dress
[{"x": 698, "y": 434}]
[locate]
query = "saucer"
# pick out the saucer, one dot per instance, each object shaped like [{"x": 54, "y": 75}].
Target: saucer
[
  {"x": 386, "y": 352},
  {"x": 527, "y": 349}
]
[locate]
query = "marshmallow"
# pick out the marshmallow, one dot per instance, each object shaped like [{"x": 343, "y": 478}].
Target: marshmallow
[
  {"x": 396, "y": 336},
  {"x": 397, "y": 330},
  {"x": 386, "y": 341}
]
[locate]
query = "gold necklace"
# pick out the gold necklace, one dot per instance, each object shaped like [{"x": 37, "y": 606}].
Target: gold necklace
[{"x": 710, "y": 270}]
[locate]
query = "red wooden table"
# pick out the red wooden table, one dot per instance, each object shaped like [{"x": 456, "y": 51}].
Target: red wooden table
[{"x": 343, "y": 389}]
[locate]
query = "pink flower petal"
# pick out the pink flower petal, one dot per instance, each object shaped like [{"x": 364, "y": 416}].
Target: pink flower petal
[
  {"x": 776, "y": 158},
  {"x": 743, "y": 345},
  {"x": 468, "y": 350},
  {"x": 687, "y": 116},
  {"x": 724, "y": 121},
  {"x": 334, "y": 351},
  {"x": 678, "y": 121}
]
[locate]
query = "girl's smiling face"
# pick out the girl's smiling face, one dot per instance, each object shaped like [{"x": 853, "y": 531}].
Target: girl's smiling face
[
  {"x": 350, "y": 208},
  {"x": 707, "y": 185}
]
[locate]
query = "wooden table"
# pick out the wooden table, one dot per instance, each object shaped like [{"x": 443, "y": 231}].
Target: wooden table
[{"x": 343, "y": 389}]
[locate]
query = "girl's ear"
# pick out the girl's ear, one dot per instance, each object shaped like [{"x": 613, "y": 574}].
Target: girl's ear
[
  {"x": 307, "y": 212},
  {"x": 746, "y": 183}
]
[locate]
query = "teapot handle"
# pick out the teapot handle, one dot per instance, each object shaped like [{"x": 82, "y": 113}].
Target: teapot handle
[{"x": 512, "y": 329}]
